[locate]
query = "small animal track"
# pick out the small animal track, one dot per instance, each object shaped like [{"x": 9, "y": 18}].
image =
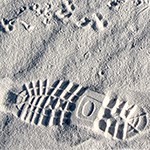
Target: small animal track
[
  {"x": 115, "y": 3},
  {"x": 141, "y": 2},
  {"x": 65, "y": 103},
  {"x": 27, "y": 26},
  {"x": 46, "y": 12},
  {"x": 42, "y": 104},
  {"x": 66, "y": 11},
  {"x": 7, "y": 25},
  {"x": 84, "y": 22},
  {"x": 21, "y": 10},
  {"x": 36, "y": 8},
  {"x": 97, "y": 22},
  {"x": 141, "y": 5}
]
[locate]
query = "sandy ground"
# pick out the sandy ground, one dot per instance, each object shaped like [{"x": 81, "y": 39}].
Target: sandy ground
[{"x": 101, "y": 44}]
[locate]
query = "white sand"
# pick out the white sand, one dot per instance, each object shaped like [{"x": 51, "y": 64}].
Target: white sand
[{"x": 102, "y": 44}]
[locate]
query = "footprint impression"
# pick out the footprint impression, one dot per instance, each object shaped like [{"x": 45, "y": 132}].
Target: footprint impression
[
  {"x": 64, "y": 103},
  {"x": 97, "y": 22},
  {"x": 115, "y": 4},
  {"x": 45, "y": 12},
  {"x": 65, "y": 13},
  {"x": 7, "y": 26}
]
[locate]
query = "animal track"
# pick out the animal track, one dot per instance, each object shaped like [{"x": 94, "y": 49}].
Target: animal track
[
  {"x": 115, "y": 3},
  {"x": 36, "y": 8},
  {"x": 84, "y": 22},
  {"x": 27, "y": 26},
  {"x": 21, "y": 10},
  {"x": 141, "y": 5},
  {"x": 66, "y": 11},
  {"x": 97, "y": 22},
  {"x": 141, "y": 2},
  {"x": 7, "y": 25},
  {"x": 45, "y": 12},
  {"x": 64, "y": 102}
]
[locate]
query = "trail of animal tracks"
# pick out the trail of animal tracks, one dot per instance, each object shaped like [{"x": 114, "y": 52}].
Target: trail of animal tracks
[{"x": 74, "y": 74}]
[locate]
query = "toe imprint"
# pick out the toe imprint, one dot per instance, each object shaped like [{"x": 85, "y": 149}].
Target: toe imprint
[{"x": 119, "y": 120}]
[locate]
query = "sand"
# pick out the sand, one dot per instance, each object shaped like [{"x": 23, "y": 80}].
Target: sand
[{"x": 101, "y": 45}]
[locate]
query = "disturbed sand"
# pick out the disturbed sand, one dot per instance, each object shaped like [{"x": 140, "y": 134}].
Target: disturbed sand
[{"x": 102, "y": 45}]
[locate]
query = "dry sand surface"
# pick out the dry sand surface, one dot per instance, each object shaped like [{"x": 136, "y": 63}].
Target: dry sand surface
[{"x": 74, "y": 74}]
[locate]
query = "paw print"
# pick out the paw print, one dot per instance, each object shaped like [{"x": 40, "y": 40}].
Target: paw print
[
  {"x": 99, "y": 23},
  {"x": 45, "y": 12},
  {"x": 115, "y": 3},
  {"x": 66, "y": 11},
  {"x": 7, "y": 26}
]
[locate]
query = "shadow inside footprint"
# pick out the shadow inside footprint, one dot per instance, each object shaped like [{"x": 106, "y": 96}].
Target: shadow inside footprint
[
  {"x": 12, "y": 98},
  {"x": 86, "y": 22},
  {"x": 2, "y": 29}
]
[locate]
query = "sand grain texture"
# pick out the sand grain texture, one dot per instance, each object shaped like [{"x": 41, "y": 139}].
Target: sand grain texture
[{"x": 101, "y": 45}]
